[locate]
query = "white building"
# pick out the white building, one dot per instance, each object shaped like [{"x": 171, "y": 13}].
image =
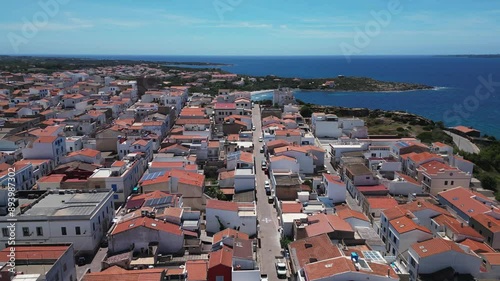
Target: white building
[
  {"x": 436, "y": 254},
  {"x": 335, "y": 189},
  {"x": 121, "y": 178},
  {"x": 244, "y": 180},
  {"x": 140, "y": 232},
  {"x": 62, "y": 217},
  {"x": 283, "y": 96},
  {"x": 325, "y": 125},
  {"x": 403, "y": 232},
  {"x": 224, "y": 214}
]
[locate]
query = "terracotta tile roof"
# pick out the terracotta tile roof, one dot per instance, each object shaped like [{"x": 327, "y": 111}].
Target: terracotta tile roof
[
  {"x": 435, "y": 246},
  {"x": 463, "y": 199},
  {"x": 381, "y": 202},
  {"x": 118, "y": 164},
  {"x": 229, "y": 232},
  {"x": 186, "y": 121},
  {"x": 197, "y": 270},
  {"x": 86, "y": 152},
  {"x": 118, "y": 273},
  {"x": 333, "y": 179},
  {"x": 407, "y": 178},
  {"x": 173, "y": 147},
  {"x": 281, "y": 158},
  {"x": 477, "y": 247},
  {"x": 148, "y": 223},
  {"x": 223, "y": 257},
  {"x": 246, "y": 157},
  {"x": 331, "y": 267},
  {"x": 222, "y": 205},
  {"x": 488, "y": 222},
  {"x": 214, "y": 144},
  {"x": 141, "y": 142},
  {"x": 291, "y": 207},
  {"x": 440, "y": 144},
  {"x": 464, "y": 129},
  {"x": 492, "y": 258},
  {"x": 26, "y": 252},
  {"x": 405, "y": 224},
  {"x": 435, "y": 167},
  {"x": 461, "y": 229},
  {"x": 55, "y": 178},
  {"x": 348, "y": 213},
  {"x": 322, "y": 223},
  {"x": 285, "y": 133},
  {"x": 226, "y": 175},
  {"x": 371, "y": 188},
  {"x": 224, "y": 106},
  {"x": 48, "y": 139},
  {"x": 422, "y": 157},
  {"x": 312, "y": 249},
  {"x": 47, "y": 131}
]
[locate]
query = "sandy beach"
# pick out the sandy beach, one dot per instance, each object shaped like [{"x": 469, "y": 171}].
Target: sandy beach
[{"x": 261, "y": 92}]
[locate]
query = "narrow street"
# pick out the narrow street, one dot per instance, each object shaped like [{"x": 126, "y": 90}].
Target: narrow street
[
  {"x": 94, "y": 266},
  {"x": 266, "y": 213}
]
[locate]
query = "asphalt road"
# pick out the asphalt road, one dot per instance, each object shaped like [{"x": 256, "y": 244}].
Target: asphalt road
[
  {"x": 266, "y": 213},
  {"x": 463, "y": 143}
]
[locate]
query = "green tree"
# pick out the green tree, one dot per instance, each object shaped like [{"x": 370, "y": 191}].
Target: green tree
[
  {"x": 306, "y": 111},
  {"x": 488, "y": 182}
]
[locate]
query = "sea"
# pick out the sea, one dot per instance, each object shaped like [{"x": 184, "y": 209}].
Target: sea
[{"x": 467, "y": 89}]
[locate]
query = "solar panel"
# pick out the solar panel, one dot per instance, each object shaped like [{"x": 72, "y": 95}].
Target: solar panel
[{"x": 374, "y": 256}]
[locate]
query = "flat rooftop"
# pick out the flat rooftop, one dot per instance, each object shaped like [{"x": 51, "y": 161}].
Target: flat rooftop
[{"x": 78, "y": 204}]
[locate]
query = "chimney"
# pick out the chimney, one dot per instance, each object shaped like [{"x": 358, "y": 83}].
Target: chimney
[{"x": 489, "y": 224}]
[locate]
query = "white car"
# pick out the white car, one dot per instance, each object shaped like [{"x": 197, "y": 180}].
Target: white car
[
  {"x": 253, "y": 128},
  {"x": 267, "y": 184},
  {"x": 281, "y": 269},
  {"x": 261, "y": 139},
  {"x": 263, "y": 277}
]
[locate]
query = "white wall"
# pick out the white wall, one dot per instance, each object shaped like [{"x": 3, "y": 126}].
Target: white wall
[{"x": 230, "y": 219}]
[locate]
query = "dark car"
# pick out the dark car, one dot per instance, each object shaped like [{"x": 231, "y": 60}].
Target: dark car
[
  {"x": 81, "y": 261},
  {"x": 268, "y": 191},
  {"x": 104, "y": 242}
]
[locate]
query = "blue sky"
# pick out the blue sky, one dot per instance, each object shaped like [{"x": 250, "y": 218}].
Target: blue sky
[{"x": 249, "y": 27}]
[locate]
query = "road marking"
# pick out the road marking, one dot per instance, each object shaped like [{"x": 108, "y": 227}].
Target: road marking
[{"x": 266, "y": 220}]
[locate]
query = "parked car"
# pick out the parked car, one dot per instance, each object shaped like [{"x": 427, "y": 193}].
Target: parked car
[
  {"x": 81, "y": 261},
  {"x": 263, "y": 277},
  {"x": 261, "y": 150},
  {"x": 268, "y": 191},
  {"x": 281, "y": 269},
  {"x": 270, "y": 199},
  {"x": 264, "y": 165},
  {"x": 253, "y": 128},
  {"x": 267, "y": 184},
  {"x": 104, "y": 242},
  {"x": 261, "y": 139}
]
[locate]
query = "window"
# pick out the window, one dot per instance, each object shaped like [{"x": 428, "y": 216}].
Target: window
[
  {"x": 489, "y": 239},
  {"x": 393, "y": 251},
  {"x": 452, "y": 182},
  {"x": 412, "y": 261},
  {"x": 114, "y": 187},
  {"x": 63, "y": 231},
  {"x": 115, "y": 196},
  {"x": 39, "y": 231},
  {"x": 77, "y": 230},
  {"x": 26, "y": 231},
  {"x": 445, "y": 182},
  {"x": 65, "y": 267},
  {"x": 93, "y": 226},
  {"x": 5, "y": 232},
  {"x": 394, "y": 239},
  {"x": 219, "y": 278}
]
